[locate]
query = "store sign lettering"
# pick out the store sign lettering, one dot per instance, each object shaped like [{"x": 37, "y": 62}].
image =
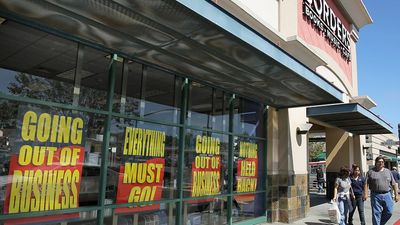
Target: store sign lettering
[
  {"x": 246, "y": 174},
  {"x": 141, "y": 181},
  {"x": 324, "y": 19},
  {"x": 46, "y": 167},
  {"x": 206, "y": 168}
]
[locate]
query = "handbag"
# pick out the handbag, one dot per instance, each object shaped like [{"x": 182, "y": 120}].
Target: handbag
[{"x": 334, "y": 213}]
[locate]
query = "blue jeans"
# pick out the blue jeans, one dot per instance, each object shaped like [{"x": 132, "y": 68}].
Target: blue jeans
[
  {"x": 382, "y": 207},
  {"x": 320, "y": 186},
  {"x": 359, "y": 204},
  {"x": 343, "y": 205}
]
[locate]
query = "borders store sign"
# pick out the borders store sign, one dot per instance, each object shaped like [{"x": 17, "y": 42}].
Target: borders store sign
[{"x": 324, "y": 19}]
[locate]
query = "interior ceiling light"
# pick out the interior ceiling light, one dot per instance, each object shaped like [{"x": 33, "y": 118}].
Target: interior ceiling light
[
  {"x": 2, "y": 20},
  {"x": 70, "y": 74}
]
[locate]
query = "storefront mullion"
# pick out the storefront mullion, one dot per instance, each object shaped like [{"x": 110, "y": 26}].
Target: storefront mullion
[
  {"x": 264, "y": 180},
  {"x": 230, "y": 160},
  {"x": 105, "y": 148},
  {"x": 181, "y": 155}
]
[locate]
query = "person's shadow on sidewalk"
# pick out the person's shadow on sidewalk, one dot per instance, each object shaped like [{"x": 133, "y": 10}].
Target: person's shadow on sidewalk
[
  {"x": 323, "y": 222},
  {"x": 317, "y": 199}
]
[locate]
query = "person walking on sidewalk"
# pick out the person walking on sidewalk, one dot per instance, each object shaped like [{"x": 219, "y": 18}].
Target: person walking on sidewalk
[
  {"x": 380, "y": 181},
  {"x": 320, "y": 180},
  {"x": 341, "y": 194},
  {"x": 357, "y": 184},
  {"x": 396, "y": 175}
]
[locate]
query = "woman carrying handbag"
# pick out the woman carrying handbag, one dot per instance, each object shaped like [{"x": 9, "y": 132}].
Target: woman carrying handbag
[{"x": 343, "y": 194}]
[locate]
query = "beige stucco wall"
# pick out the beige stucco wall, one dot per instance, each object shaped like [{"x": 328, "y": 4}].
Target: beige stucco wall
[
  {"x": 277, "y": 20},
  {"x": 258, "y": 9},
  {"x": 287, "y": 151}
]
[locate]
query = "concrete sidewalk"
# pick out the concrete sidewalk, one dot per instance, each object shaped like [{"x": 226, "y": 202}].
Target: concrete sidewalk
[{"x": 318, "y": 214}]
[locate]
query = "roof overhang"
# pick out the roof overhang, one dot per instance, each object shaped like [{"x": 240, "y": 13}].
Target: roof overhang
[
  {"x": 356, "y": 11},
  {"x": 350, "y": 117},
  {"x": 365, "y": 101},
  {"x": 193, "y": 38}
]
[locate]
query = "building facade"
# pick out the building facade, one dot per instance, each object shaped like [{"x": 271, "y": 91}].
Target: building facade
[
  {"x": 174, "y": 112},
  {"x": 386, "y": 145}
]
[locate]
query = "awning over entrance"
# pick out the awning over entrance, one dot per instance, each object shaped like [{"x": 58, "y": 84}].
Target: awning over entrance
[
  {"x": 389, "y": 156},
  {"x": 193, "y": 38},
  {"x": 350, "y": 117}
]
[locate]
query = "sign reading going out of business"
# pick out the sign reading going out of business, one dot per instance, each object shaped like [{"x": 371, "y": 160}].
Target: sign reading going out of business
[
  {"x": 141, "y": 180},
  {"x": 206, "y": 168},
  {"x": 46, "y": 165},
  {"x": 324, "y": 19}
]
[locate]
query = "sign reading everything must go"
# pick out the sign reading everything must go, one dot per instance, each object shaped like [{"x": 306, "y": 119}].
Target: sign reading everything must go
[{"x": 325, "y": 20}]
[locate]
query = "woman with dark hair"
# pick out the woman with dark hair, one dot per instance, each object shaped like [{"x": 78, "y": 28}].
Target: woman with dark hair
[
  {"x": 357, "y": 185},
  {"x": 341, "y": 194}
]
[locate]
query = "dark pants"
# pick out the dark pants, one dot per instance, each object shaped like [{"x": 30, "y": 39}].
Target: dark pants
[{"x": 359, "y": 204}]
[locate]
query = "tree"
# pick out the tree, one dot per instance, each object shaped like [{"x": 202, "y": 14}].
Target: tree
[{"x": 315, "y": 149}]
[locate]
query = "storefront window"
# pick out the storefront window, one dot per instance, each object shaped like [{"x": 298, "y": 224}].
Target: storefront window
[
  {"x": 51, "y": 154},
  {"x": 221, "y": 111},
  {"x": 208, "y": 107},
  {"x": 128, "y": 89},
  {"x": 35, "y": 64},
  {"x": 248, "y": 207},
  {"x": 248, "y": 177},
  {"x": 248, "y": 118},
  {"x": 248, "y": 164},
  {"x": 161, "y": 95},
  {"x": 211, "y": 212},
  {"x": 50, "y": 159},
  {"x": 200, "y": 105},
  {"x": 163, "y": 215},
  {"x": 205, "y": 171},
  {"x": 142, "y": 165},
  {"x": 92, "y": 74},
  {"x": 147, "y": 92}
]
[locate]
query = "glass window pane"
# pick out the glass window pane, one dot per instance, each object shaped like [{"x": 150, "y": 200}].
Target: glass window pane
[
  {"x": 248, "y": 206},
  {"x": 248, "y": 118},
  {"x": 93, "y": 76},
  {"x": 79, "y": 218},
  {"x": 200, "y": 105},
  {"x": 128, "y": 89},
  {"x": 50, "y": 158},
  {"x": 161, "y": 95},
  {"x": 142, "y": 163},
  {"x": 205, "y": 171},
  {"x": 35, "y": 64},
  {"x": 211, "y": 212},
  {"x": 208, "y": 107},
  {"x": 163, "y": 215},
  {"x": 220, "y": 111}
]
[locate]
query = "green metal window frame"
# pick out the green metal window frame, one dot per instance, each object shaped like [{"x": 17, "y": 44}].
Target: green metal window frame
[{"x": 181, "y": 125}]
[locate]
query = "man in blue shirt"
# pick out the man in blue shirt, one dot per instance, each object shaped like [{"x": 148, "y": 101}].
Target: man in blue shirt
[{"x": 380, "y": 181}]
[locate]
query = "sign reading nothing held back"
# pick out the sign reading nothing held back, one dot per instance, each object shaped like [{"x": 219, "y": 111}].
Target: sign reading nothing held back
[
  {"x": 141, "y": 180},
  {"x": 46, "y": 166},
  {"x": 247, "y": 171}
]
